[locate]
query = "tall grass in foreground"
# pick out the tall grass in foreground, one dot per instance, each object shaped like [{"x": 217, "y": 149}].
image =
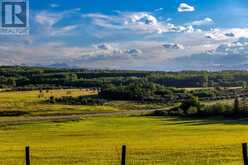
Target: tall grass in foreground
[{"x": 150, "y": 141}]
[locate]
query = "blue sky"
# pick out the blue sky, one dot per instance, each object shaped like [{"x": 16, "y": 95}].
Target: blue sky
[
  {"x": 224, "y": 11},
  {"x": 133, "y": 34}
]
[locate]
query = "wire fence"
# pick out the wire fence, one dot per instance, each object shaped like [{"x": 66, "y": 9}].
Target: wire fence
[{"x": 127, "y": 155}]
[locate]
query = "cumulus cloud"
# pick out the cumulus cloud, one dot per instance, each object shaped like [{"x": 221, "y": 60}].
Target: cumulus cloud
[
  {"x": 136, "y": 21},
  {"x": 133, "y": 51},
  {"x": 237, "y": 47},
  {"x": 140, "y": 18},
  {"x": 104, "y": 47},
  {"x": 53, "y": 54},
  {"x": 224, "y": 34},
  {"x": 187, "y": 28},
  {"x": 226, "y": 56},
  {"x": 143, "y": 21},
  {"x": 230, "y": 34},
  {"x": 183, "y": 7},
  {"x": 206, "y": 21},
  {"x": 211, "y": 36},
  {"x": 112, "y": 50},
  {"x": 149, "y": 48},
  {"x": 173, "y": 46},
  {"x": 217, "y": 34}
]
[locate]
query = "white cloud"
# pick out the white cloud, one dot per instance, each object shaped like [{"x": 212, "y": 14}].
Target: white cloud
[
  {"x": 63, "y": 31},
  {"x": 104, "y": 47},
  {"x": 108, "y": 48},
  {"x": 140, "y": 18},
  {"x": 211, "y": 36},
  {"x": 114, "y": 49},
  {"x": 230, "y": 34},
  {"x": 143, "y": 21},
  {"x": 238, "y": 47},
  {"x": 183, "y": 7},
  {"x": 121, "y": 55},
  {"x": 49, "y": 23},
  {"x": 225, "y": 34},
  {"x": 114, "y": 55},
  {"x": 225, "y": 57},
  {"x": 173, "y": 46},
  {"x": 147, "y": 22},
  {"x": 133, "y": 51},
  {"x": 152, "y": 49},
  {"x": 136, "y": 21},
  {"x": 206, "y": 21},
  {"x": 187, "y": 28},
  {"x": 48, "y": 18}
]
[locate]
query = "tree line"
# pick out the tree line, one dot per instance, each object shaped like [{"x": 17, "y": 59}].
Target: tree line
[
  {"x": 192, "y": 107},
  {"x": 18, "y": 77}
]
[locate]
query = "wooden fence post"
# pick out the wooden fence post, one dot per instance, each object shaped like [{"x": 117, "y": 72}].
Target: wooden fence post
[
  {"x": 27, "y": 155},
  {"x": 244, "y": 150},
  {"x": 123, "y": 155}
]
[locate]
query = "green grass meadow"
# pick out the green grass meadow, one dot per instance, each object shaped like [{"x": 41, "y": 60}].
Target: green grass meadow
[
  {"x": 98, "y": 140},
  {"x": 32, "y": 104},
  {"x": 149, "y": 140}
]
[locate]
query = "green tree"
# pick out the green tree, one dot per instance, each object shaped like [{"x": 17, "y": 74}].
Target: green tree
[
  {"x": 205, "y": 80},
  {"x": 190, "y": 102},
  {"x": 71, "y": 77},
  {"x": 11, "y": 82},
  {"x": 192, "y": 111},
  {"x": 244, "y": 84}
]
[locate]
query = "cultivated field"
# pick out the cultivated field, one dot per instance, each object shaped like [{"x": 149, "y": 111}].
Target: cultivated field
[{"x": 95, "y": 140}]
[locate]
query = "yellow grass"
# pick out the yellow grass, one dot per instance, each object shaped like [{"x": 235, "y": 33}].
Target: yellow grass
[
  {"x": 33, "y": 102},
  {"x": 225, "y": 101},
  {"x": 150, "y": 141},
  {"x": 97, "y": 140}
]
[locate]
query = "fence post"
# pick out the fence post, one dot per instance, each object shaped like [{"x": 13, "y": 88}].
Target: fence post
[
  {"x": 123, "y": 155},
  {"x": 244, "y": 150},
  {"x": 27, "y": 155}
]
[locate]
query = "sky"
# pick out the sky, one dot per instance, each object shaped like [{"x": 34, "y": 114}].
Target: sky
[{"x": 132, "y": 34}]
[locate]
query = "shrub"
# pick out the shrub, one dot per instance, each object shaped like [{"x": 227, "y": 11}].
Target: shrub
[
  {"x": 192, "y": 111},
  {"x": 81, "y": 100},
  {"x": 217, "y": 109},
  {"x": 159, "y": 113},
  {"x": 190, "y": 102}
]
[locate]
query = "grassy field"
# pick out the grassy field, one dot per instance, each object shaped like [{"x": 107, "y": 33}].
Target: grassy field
[
  {"x": 32, "y": 103},
  {"x": 200, "y": 88},
  {"x": 98, "y": 140},
  {"x": 224, "y": 101},
  {"x": 150, "y": 141}
]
